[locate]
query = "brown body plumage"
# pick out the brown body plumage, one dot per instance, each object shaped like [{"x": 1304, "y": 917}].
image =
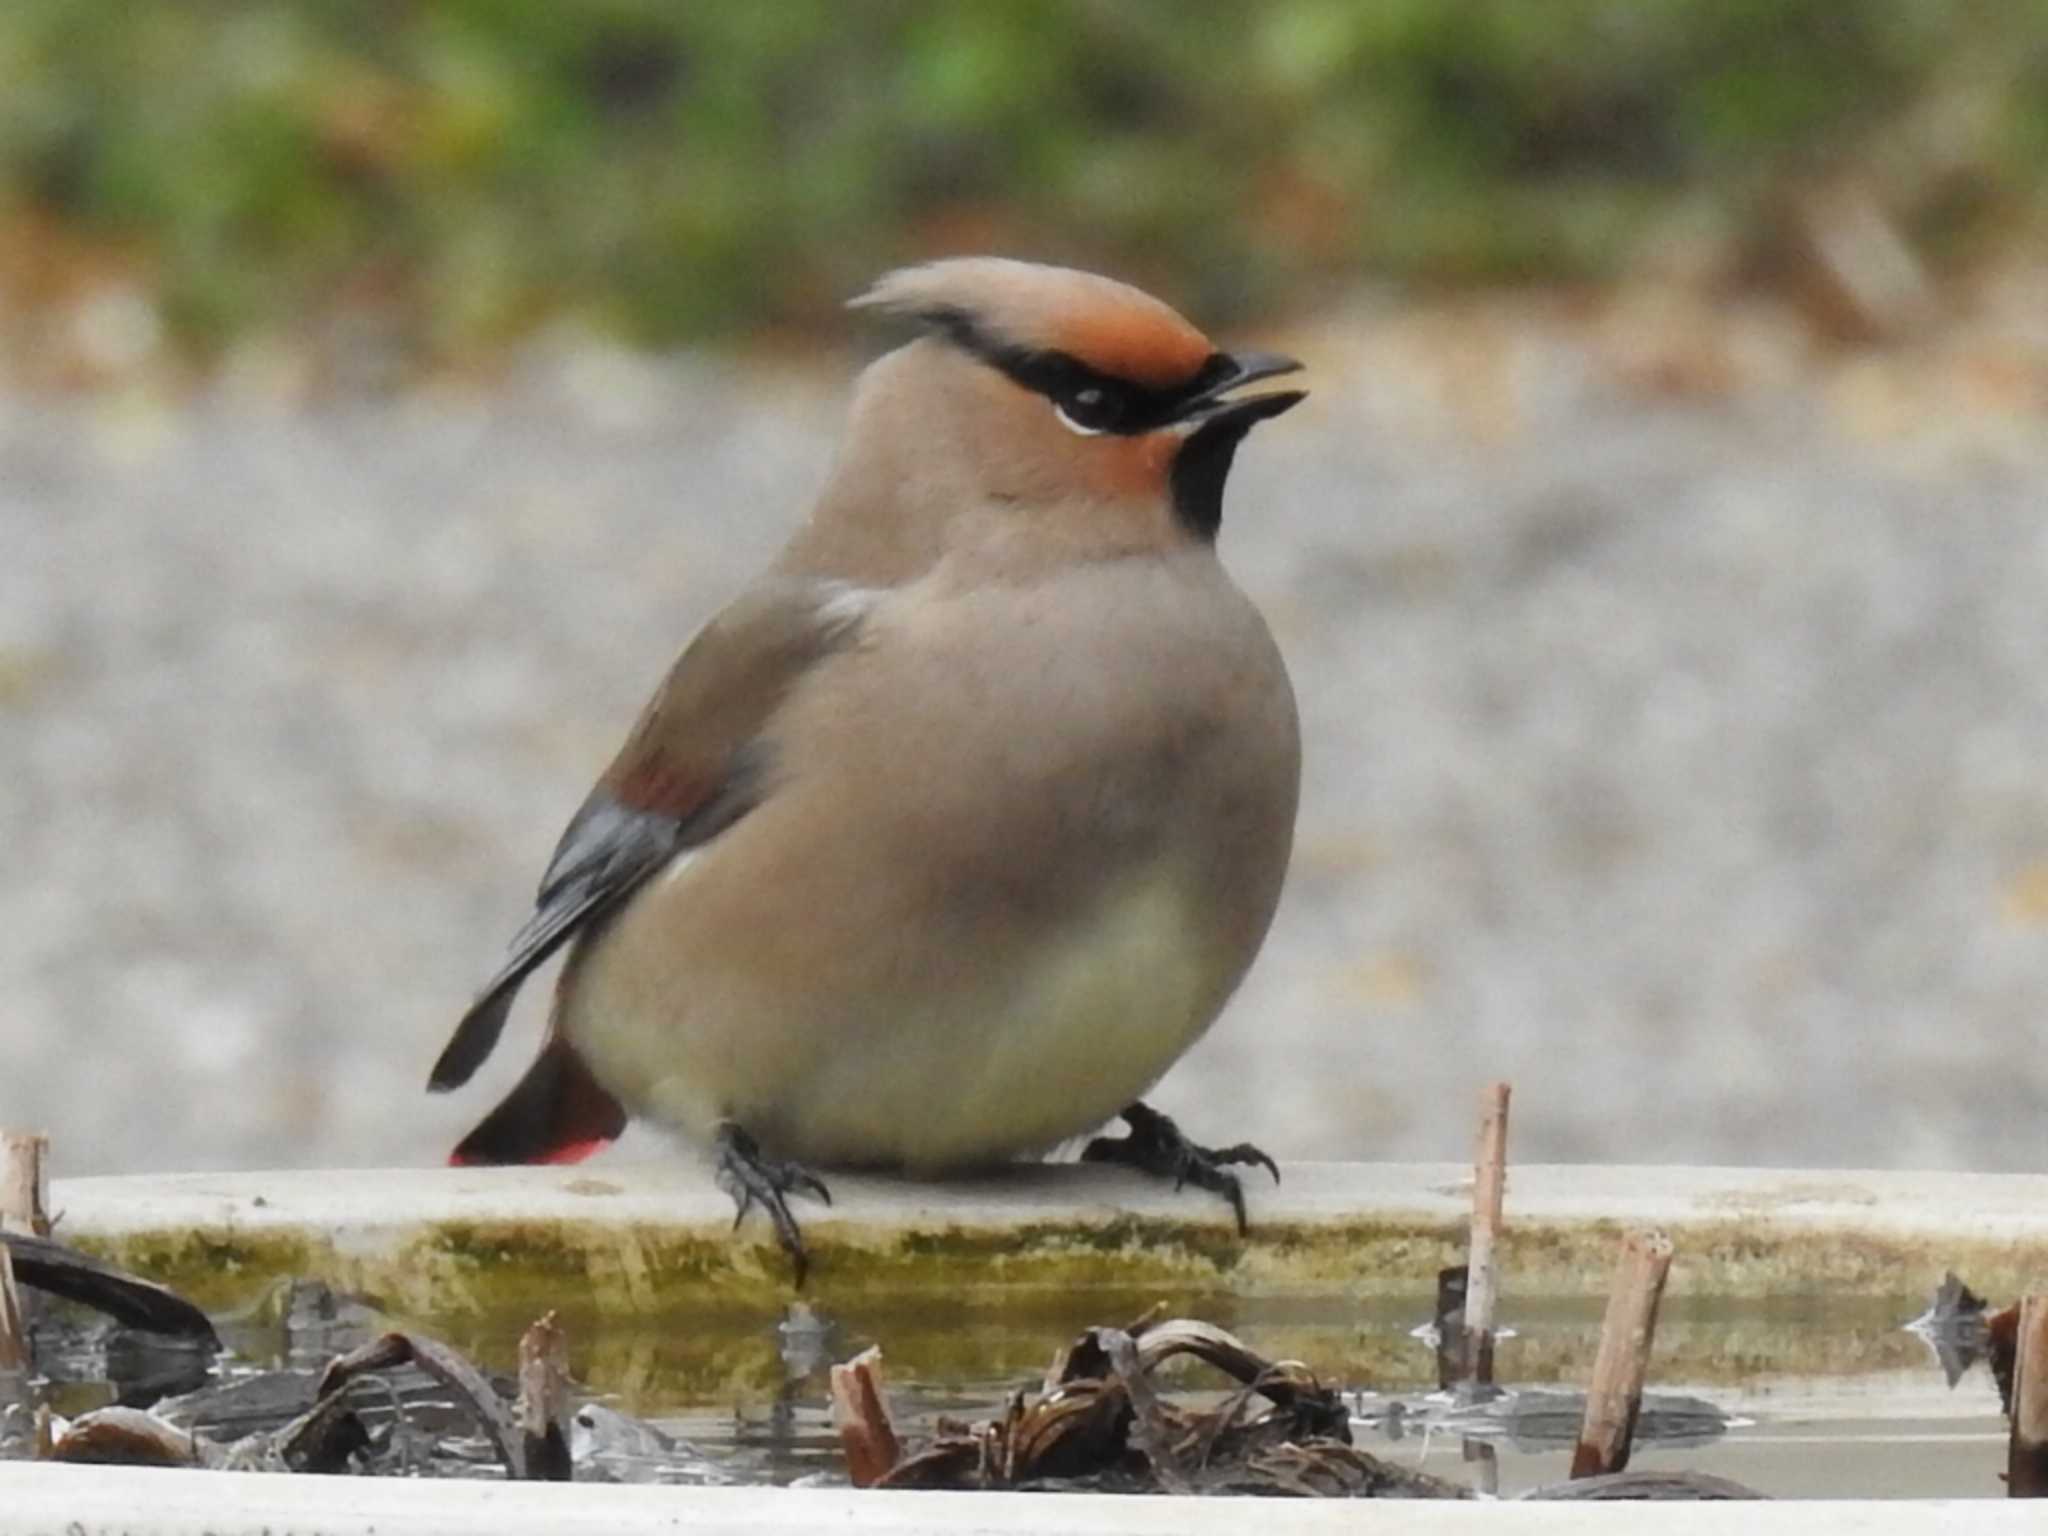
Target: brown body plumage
[{"x": 947, "y": 838}]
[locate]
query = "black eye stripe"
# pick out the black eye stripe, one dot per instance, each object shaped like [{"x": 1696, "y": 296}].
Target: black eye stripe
[
  {"x": 1090, "y": 398},
  {"x": 1093, "y": 399}
]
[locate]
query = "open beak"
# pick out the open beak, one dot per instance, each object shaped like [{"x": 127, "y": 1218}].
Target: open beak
[
  {"x": 1213, "y": 423},
  {"x": 1214, "y": 405}
]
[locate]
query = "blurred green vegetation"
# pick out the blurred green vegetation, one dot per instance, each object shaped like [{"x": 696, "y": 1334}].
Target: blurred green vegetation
[{"x": 677, "y": 171}]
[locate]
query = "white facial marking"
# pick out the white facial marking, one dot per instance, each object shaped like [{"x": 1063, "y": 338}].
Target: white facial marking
[{"x": 1074, "y": 426}]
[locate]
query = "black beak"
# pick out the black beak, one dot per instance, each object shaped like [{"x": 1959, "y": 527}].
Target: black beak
[
  {"x": 1250, "y": 367},
  {"x": 1212, "y": 405},
  {"x": 1219, "y": 424}
]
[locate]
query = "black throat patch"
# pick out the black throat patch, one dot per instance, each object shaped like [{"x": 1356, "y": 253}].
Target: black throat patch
[{"x": 1199, "y": 470}]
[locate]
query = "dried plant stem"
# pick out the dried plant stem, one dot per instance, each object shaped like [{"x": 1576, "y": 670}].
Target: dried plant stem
[
  {"x": 860, "y": 1412},
  {"x": 13, "y": 1329},
  {"x": 2026, "y": 1463},
  {"x": 24, "y": 1182},
  {"x": 1624, "y": 1359},
  {"x": 543, "y": 1406},
  {"x": 1489, "y": 1184}
]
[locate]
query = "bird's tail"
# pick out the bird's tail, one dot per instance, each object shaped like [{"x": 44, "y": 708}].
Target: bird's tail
[{"x": 556, "y": 1113}]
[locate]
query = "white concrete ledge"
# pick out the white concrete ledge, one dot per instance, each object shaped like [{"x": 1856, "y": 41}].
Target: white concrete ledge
[
  {"x": 371, "y": 1201},
  {"x": 100, "y": 1501}
]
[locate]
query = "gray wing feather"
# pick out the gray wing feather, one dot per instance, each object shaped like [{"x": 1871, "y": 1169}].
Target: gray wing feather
[{"x": 607, "y": 851}]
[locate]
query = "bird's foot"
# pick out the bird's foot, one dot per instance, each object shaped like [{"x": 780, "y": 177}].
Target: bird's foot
[
  {"x": 752, "y": 1179},
  {"x": 1157, "y": 1146}
]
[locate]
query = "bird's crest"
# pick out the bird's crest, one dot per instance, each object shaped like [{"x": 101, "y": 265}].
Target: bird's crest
[{"x": 1012, "y": 312}]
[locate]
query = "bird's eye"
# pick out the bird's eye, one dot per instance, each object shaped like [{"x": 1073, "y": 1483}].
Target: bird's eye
[{"x": 1089, "y": 410}]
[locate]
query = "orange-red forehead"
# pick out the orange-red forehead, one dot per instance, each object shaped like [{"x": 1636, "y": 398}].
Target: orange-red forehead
[{"x": 1146, "y": 343}]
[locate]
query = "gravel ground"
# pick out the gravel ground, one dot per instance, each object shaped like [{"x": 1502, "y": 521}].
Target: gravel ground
[{"x": 1676, "y": 708}]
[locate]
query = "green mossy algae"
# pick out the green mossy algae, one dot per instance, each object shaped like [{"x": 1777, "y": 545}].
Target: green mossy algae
[
  {"x": 662, "y": 1314},
  {"x": 216, "y": 1268},
  {"x": 468, "y": 1267}
]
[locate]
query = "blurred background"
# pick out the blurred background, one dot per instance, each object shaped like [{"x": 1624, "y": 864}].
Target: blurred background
[{"x": 388, "y": 387}]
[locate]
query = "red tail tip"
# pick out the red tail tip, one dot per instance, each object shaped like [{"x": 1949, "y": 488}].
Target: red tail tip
[{"x": 567, "y": 1152}]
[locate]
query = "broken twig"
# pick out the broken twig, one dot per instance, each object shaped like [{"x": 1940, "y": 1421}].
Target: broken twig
[
  {"x": 25, "y": 1182},
  {"x": 1616, "y": 1395},
  {"x": 2026, "y": 1459},
  {"x": 1489, "y": 1181},
  {"x": 543, "y": 1404},
  {"x": 24, "y": 1208},
  {"x": 860, "y": 1412},
  {"x": 14, "y": 1354}
]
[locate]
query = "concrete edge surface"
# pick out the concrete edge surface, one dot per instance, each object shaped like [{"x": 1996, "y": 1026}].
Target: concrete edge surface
[
  {"x": 44, "y": 1500},
  {"x": 1954, "y": 1204}
]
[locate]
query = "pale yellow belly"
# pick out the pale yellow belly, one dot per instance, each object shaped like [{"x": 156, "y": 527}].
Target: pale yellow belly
[{"x": 957, "y": 1062}]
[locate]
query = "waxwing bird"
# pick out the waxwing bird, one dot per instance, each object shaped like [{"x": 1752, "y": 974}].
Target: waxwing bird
[{"x": 948, "y": 837}]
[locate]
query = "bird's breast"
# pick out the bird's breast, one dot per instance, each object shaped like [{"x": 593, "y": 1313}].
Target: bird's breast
[
  {"x": 1054, "y": 1033},
  {"x": 1017, "y": 849}
]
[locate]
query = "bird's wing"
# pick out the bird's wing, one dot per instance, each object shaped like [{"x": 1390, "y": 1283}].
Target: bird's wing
[{"x": 695, "y": 763}]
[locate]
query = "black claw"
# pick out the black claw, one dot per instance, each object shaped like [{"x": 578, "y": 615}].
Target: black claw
[
  {"x": 803, "y": 1181},
  {"x": 751, "y": 1179},
  {"x": 1157, "y": 1146},
  {"x": 1245, "y": 1152}
]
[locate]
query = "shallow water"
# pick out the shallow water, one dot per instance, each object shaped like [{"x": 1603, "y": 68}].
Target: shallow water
[{"x": 1797, "y": 1399}]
